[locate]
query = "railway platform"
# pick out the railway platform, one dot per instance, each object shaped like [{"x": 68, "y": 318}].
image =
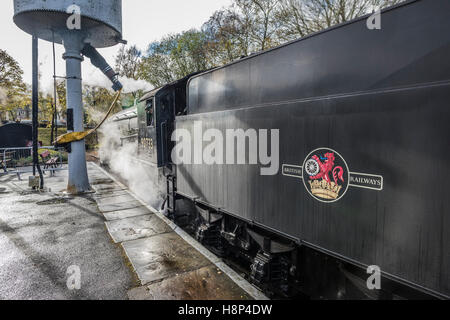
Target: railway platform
[{"x": 124, "y": 249}]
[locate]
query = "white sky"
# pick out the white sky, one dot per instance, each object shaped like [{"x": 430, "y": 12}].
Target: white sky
[{"x": 143, "y": 22}]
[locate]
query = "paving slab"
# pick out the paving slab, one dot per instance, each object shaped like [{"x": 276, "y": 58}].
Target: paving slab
[
  {"x": 109, "y": 207},
  {"x": 116, "y": 199},
  {"x": 168, "y": 262},
  {"x": 128, "y": 213},
  {"x": 136, "y": 228},
  {"x": 163, "y": 256},
  {"x": 102, "y": 188},
  {"x": 112, "y": 194},
  {"x": 207, "y": 283}
]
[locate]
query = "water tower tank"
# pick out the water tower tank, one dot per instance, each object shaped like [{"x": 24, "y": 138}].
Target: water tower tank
[{"x": 101, "y": 19}]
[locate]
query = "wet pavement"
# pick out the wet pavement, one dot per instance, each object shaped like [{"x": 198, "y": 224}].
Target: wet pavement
[
  {"x": 139, "y": 255},
  {"x": 43, "y": 234},
  {"x": 168, "y": 263},
  {"x": 207, "y": 283},
  {"x": 136, "y": 228}
]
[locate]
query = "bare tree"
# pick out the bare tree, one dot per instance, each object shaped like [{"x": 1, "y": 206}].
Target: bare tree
[
  {"x": 262, "y": 17},
  {"x": 299, "y": 18},
  {"x": 244, "y": 27},
  {"x": 127, "y": 62},
  {"x": 228, "y": 36}
]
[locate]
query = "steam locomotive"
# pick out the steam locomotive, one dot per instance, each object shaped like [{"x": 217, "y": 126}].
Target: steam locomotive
[{"x": 361, "y": 184}]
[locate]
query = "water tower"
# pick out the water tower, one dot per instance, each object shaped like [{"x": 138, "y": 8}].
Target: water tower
[{"x": 81, "y": 26}]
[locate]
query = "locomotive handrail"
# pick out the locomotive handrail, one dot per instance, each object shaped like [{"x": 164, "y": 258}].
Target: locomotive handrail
[
  {"x": 129, "y": 137},
  {"x": 163, "y": 138}
]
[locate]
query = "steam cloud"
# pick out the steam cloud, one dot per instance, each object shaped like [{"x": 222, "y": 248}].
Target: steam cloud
[
  {"x": 96, "y": 78},
  {"x": 141, "y": 177}
]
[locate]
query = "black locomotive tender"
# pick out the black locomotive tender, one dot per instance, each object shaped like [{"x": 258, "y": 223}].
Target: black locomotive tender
[{"x": 364, "y": 173}]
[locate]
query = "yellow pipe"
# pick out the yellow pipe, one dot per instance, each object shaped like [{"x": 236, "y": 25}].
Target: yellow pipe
[{"x": 78, "y": 136}]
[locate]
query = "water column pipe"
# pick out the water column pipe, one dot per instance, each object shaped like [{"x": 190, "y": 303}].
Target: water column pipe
[
  {"x": 100, "y": 25},
  {"x": 98, "y": 61},
  {"x": 73, "y": 42},
  {"x": 35, "y": 109}
]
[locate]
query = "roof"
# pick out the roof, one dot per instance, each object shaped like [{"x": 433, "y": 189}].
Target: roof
[
  {"x": 150, "y": 94},
  {"x": 129, "y": 113},
  {"x": 154, "y": 92}
]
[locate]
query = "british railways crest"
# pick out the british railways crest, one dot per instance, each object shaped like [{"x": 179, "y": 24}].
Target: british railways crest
[
  {"x": 325, "y": 175},
  {"x": 327, "y": 178}
]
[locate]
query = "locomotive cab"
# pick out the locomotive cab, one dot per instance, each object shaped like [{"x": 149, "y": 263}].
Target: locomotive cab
[
  {"x": 156, "y": 112},
  {"x": 148, "y": 125}
]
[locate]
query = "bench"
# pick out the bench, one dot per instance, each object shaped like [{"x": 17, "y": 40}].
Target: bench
[
  {"x": 4, "y": 159},
  {"x": 50, "y": 163}
]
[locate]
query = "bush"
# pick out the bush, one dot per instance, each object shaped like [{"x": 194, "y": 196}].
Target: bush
[
  {"x": 53, "y": 153},
  {"x": 45, "y": 135},
  {"x": 22, "y": 162}
]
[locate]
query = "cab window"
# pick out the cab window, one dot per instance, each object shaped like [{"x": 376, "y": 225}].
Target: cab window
[{"x": 150, "y": 113}]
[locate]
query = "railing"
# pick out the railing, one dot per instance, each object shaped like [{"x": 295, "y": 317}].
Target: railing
[{"x": 13, "y": 158}]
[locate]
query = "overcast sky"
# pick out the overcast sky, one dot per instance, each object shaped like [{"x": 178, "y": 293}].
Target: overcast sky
[{"x": 143, "y": 21}]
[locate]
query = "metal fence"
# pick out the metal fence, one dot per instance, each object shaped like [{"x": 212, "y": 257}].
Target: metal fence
[{"x": 14, "y": 158}]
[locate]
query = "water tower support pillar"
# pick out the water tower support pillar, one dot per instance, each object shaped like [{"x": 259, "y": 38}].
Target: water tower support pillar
[{"x": 78, "y": 177}]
